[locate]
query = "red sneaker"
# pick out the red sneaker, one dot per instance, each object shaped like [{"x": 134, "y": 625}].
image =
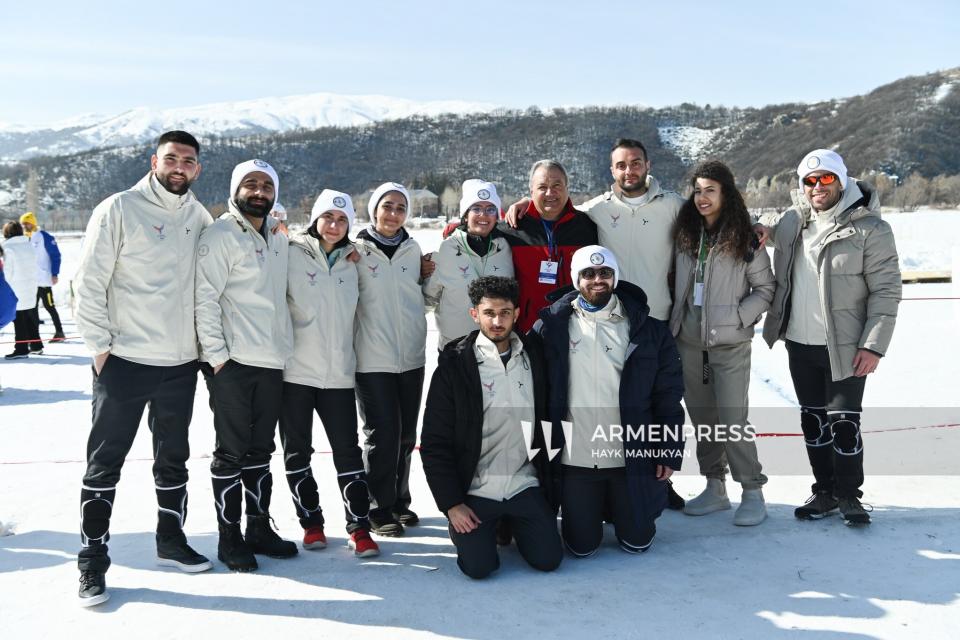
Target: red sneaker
[
  {"x": 363, "y": 546},
  {"x": 313, "y": 538}
]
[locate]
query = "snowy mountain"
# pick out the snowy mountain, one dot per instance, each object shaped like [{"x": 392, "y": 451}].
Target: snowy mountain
[{"x": 265, "y": 115}]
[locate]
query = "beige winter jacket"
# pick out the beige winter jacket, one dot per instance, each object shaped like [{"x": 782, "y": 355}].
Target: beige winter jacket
[
  {"x": 242, "y": 293},
  {"x": 457, "y": 267},
  {"x": 135, "y": 284},
  {"x": 641, "y": 238},
  {"x": 859, "y": 276},
  {"x": 391, "y": 328},
  {"x": 736, "y": 294},
  {"x": 323, "y": 307}
]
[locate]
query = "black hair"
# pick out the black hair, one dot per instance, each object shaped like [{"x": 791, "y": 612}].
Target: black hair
[
  {"x": 494, "y": 288},
  {"x": 734, "y": 231},
  {"x": 179, "y": 137},
  {"x": 629, "y": 143},
  {"x": 12, "y": 229}
]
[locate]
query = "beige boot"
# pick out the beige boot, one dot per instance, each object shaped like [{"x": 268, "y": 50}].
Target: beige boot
[
  {"x": 752, "y": 510},
  {"x": 713, "y": 498}
]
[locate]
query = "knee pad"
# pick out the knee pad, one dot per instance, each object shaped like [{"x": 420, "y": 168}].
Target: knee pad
[
  {"x": 845, "y": 426},
  {"x": 816, "y": 426},
  {"x": 356, "y": 494},
  {"x": 258, "y": 487},
  {"x": 171, "y": 508},
  {"x": 303, "y": 488},
  {"x": 228, "y": 498},
  {"x": 96, "y": 507}
]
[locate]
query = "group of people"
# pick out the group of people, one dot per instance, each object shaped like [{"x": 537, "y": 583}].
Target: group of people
[
  {"x": 30, "y": 260},
  {"x": 568, "y": 338}
]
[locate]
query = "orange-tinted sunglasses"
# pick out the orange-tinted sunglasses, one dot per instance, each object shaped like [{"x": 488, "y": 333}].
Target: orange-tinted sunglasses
[{"x": 825, "y": 179}]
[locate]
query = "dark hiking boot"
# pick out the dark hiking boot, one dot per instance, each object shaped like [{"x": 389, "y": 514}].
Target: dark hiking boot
[
  {"x": 233, "y": 551},
  {"x": 406, "y": 517},
  {"x": 387, "y": 526},
  {"x": 93, "y": 588},
  {"x": 173, "y": 551},
  {"x": 854, "y": 514},
  {"x": 263, "y": 540},
  {"x": 820, "y": 505}
]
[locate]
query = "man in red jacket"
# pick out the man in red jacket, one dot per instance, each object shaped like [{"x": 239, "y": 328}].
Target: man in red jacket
[{"x": 545, "y": 239}]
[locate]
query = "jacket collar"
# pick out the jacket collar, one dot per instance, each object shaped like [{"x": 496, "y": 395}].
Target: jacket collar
[
  {"x": 486, "y": 350},
  {"x": 151, "y": 189},
  {"x": 859, "y": 200},
  {"x": 234, "y": 213},
  {"x": 632, "y": 299}
]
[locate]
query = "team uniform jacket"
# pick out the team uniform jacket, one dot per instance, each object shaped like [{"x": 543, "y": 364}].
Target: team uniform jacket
[
  {"x": 48, "y": 257},
  {"x": 323, "y": 307},
  {"x": 529, "y": 245},
  {"x": 457, "y": 267},
  {"x": 391, "y": 329},
  {"x": 241, "y": 289},
  {"x": 20, "y": 269},
  {"x": 641, "y": 237},
  {"x": 135, "y": 284}
]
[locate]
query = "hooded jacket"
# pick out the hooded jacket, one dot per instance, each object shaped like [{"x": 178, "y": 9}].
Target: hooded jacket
[
  {"x": 241, "y": 289},
  {"x": 457, "y": 265},
  {"x": 390, "y": 335},
  {"x": 641, "y": 238},
  {"x": 452, "y": 438},
  {"x": 135, "y": 283},
  {"x": 20, "y": 269},
  {"x": 323, "y": 307},
  {"x": 651, "y": 387},
  {"x": 529, "y": 244},
  {"x": 859, "y": 277}
]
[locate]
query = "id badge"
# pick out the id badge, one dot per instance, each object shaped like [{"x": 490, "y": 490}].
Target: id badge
[
  {"x": 698, "y": 294},
  {"x": 548, "y": 271}
]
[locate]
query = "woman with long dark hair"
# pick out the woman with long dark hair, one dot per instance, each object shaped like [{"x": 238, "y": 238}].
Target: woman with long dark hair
[{"x": 723, "y": 284}]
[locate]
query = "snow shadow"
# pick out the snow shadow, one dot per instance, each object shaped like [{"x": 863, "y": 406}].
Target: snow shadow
[{"x": 13, "y": 396}]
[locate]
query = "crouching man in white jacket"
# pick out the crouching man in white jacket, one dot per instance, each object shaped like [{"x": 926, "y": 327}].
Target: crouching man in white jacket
[{"x": 245, "y": 338}]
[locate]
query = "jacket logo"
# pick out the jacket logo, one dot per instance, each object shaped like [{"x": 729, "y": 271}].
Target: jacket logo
[
  {"x": 496, "y": 268},
  {"x": 276, "y": 253},
  {"x": 313, "y": 278},
  {"x": 574, "y": 344},
  {"x": 489, "y": 387},
  {"x": 188, "y": 231},
  {"x": 645, "y": 221},
  {"x": 459, "y": 252},
  {"x": 373, "y": 269},
  {"x": 403, "y": 269},
  {"x": 616, "y": 221},
  {"x": 519, "y": 385},
  {"x": 159, "y": 231},
  {"x": 341, "y": 280},
  {"x": 260, "y": 257},
  {"x": 607, "y": 349},
  {"x": 463, "y": 271}
]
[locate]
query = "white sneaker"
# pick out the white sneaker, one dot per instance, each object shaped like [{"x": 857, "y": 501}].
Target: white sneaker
[
  {"x": 752, "y": 510},
  {"x": 713, "y": 498}
]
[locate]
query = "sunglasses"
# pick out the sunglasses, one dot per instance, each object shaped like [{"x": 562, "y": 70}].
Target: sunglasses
[
  {"x": 824, "y": 180},
  {"x": 606, "y": 273},
  {"x": 477, "y": 210}
]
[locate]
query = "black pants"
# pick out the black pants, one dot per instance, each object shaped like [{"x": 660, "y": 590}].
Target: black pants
[
  {"x": 120, "y": 393},
  {"x": 389, "y": 405},
  {"x": 26, "y": 331},
  {"x": 337, "y": 409},
  {"x": 534, "y": 528},
  {"x": 45, "y": 297},
  {"x": 830, "y": 418},
  {"x": 246, "y": 406},
  {"x": 588, "y": 496}
]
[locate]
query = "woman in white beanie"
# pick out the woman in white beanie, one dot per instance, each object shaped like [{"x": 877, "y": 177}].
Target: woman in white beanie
[
  {"x": 390, "y": 341},
  {"x": 723, "y": 285},
  {"x": 474, "y": 249},
  {"x": 322, "y": 293}
]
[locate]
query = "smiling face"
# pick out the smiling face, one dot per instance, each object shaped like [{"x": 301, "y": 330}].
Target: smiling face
[
  {"x": 255, "y": 194},
  {"x": 708, "y": 198},
  {"x": 332, "y": 226},
  {"x": 629, "y": 168},
  {"x": 822, "y": 196},
  {"x": 495, "y": 317},
  {"x": 596, "y": 285},
  {"x": 482, "y": 218},
  {"x": 176, "y": 166},
  {"x": 548, "y": 190},
  {"x": 391, "y": 213}
]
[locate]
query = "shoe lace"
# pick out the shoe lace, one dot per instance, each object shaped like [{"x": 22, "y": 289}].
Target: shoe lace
[{"x": 89, "y": 578}]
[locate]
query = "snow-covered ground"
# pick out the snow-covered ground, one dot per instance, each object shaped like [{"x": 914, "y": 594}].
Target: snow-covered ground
[{"x": 703, "y": 578}]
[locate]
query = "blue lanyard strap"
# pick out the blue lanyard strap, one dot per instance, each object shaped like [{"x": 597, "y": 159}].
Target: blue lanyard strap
[{"x": 551, "y": 244}]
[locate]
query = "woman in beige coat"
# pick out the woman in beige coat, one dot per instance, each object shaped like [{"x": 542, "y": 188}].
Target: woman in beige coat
[{"x": 723, "y": 284}]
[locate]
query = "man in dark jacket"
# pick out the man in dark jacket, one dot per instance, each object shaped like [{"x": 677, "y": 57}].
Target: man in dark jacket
[
  {"x": 615, "y": 389},
  {"x": 480, "y": 454}
]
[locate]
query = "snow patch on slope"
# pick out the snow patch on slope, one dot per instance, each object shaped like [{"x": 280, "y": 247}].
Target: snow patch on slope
[{"x": 689, "y": 143}]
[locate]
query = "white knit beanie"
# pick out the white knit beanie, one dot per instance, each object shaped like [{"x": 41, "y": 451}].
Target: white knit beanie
[
  {"x": 823, "y": 160},
  {"x": 475, "y": 191},
  {"x": 330, "y": 200},
  {"x": 593, "y": 256},
  {"x": 243, "y": 169},
  {"x": 381, "y": 191}
]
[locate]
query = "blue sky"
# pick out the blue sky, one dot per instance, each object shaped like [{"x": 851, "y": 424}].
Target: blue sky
[{"x": 60, "y": 59}]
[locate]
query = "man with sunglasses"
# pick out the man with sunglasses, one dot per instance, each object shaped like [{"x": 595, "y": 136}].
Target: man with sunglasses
[
  {"x": 614, "y": 404},
  {"x": 838, "y": 290}
]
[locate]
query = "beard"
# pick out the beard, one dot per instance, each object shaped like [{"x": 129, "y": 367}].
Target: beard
[
  {"x": 164, "y": 180},
  {"x": 597, "y": 298},
  {"x": 638, "y": 188},
  {"x": 256, "y": 210}
]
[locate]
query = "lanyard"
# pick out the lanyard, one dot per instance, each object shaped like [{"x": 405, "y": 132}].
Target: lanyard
[
  {"x": 461, "y": 235},
  {"x": 551, "y": 244},
  {"x": 701, "y": 258}
]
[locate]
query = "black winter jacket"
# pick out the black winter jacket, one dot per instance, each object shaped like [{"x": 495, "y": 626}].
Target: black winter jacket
[
  {"x": 651, "y": 387},
  {"x": 451, "y": 439}
]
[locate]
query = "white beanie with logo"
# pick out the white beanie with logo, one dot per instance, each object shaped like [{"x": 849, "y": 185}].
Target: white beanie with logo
[
  {"x": 330, "y": 200},
  {"x": 381, "y": 191},
  {"x": 475, "y": 191},
  {"x": 823, "y": 160},
  {"x": 596, "y": 257},
  {"x": 244, "y": 169}
]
